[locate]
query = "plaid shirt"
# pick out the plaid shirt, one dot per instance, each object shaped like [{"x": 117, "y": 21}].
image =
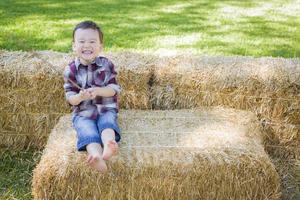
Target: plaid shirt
[{"x": 100, "y": 73}]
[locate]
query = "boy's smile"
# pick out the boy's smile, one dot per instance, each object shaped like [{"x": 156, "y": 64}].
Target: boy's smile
[{"x": 87, "y": 45}]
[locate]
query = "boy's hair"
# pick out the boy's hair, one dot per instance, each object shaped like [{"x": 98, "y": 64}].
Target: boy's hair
[{"x": 89, "y": 25}]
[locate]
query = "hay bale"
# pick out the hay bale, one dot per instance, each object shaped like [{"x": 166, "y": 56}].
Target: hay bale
[
  {"x": 31, "y": 96},
  {"x": 31, "y": 86},
  {"x": 26, "y": 130},
  {"x": 135, "y": 73},
  {"x": 269, "y": 87},
  {"x": 180, "y": 154},
  {"x": 32, "y": 72}
]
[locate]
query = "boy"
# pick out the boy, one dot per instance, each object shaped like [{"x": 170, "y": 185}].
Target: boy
[{"x": 91, "y": 88}]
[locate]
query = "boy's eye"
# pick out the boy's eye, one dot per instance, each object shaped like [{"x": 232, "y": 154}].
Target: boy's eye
[
  {"x": 93, "y": 41},
  {"x": 81, "y": 41}
]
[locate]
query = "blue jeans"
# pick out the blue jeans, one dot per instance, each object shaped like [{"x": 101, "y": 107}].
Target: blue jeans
[{"x": 89, "y": 130}]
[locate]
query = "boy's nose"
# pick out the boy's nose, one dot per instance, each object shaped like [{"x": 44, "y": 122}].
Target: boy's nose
[{"x": 86, "y": 44}]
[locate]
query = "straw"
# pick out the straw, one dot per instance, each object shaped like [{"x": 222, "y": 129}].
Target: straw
[{"x": 180, "y": 154}]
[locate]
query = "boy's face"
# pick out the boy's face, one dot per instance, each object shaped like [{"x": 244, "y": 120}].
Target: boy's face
[{"x": 86, "y": 45}]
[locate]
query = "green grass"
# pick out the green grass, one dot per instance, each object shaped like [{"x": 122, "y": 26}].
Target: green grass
[
  {"x": 213, "y": 27},
  {"x": 16, "y": 174}
]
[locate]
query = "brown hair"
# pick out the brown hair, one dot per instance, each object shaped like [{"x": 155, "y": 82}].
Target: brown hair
[{"x": 87, "y": 25}]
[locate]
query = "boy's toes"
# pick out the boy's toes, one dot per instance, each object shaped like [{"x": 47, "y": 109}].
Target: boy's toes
[
  {"x": 113, "y": 145},
  {"x": 91, "y": 159},
  {"x": 102, "y": 167},
  {"x": 110, "y": 149}
]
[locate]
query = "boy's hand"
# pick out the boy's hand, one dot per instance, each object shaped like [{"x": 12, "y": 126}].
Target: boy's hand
[
  {"x": 95, "y": 91},
  {"x": 85, "y": 95}
]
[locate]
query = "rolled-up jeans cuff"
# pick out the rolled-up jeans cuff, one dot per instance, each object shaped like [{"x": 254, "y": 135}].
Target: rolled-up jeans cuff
[
  {"x": 111, "y": 126},
  {"x": 82, "y": 145}
]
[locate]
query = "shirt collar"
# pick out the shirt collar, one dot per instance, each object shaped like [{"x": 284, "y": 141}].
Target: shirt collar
[{"x": 97, "y": 61}]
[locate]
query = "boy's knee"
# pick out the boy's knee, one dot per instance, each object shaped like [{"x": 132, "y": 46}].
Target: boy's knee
[
  {"x": 108, "y": 130},
  {"x": 108, "y": 117}
]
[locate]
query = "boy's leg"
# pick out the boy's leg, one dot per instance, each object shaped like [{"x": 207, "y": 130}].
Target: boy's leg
[
  {"x": 88, "y": 138},
  {"x": 109, "y": 143},
  {"x": 110, "y": 133},
  {"x": 95, "y": 159}
]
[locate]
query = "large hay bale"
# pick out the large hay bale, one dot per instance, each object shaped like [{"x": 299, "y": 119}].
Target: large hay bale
[
  {"x": 269, "y": 87},
  {"x": 25, "y": 130},
  {"x": 32, "y": 98},
  {"x": 135, "y": 72},
  {"x": 181, "y": 154},
  {"x": 31, "y": 86}
]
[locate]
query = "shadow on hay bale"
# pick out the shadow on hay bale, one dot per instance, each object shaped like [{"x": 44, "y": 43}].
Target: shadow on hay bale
[{"x": 206, "y": 153}]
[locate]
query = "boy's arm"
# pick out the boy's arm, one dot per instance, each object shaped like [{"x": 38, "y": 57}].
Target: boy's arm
[
  {"x": 71, "y": 92},
  {"x": 112, "y": 88},
  {"x": 112, "y": 83},
  {"x": 102, "y": 91}
]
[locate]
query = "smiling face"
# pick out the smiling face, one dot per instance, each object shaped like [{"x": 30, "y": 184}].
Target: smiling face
[{"x": 86, "y": 45}]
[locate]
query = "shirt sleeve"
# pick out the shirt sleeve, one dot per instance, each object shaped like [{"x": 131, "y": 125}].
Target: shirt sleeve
[
  {"x": 69, "y": 88},
  {"x": 112, "y": 81}
]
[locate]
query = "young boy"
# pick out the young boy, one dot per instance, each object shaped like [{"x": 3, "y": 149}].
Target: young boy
[{"x": 91, "y": 88}]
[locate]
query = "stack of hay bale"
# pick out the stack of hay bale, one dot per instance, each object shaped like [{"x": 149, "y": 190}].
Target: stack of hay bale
[{"x": 33, "y": 100}]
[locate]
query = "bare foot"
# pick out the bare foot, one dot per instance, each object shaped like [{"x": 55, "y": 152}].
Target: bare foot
[
  {"x": 110, "y": 149},
  {"x": 97, "y": 163}
]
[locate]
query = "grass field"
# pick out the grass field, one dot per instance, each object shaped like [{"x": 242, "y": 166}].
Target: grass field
[
  {"x": 214, "y": 27},
  {"x": 16, "y": 173}
]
